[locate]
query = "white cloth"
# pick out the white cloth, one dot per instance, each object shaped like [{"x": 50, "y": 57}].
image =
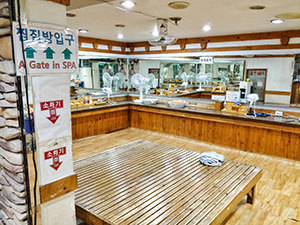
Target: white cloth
[{"x": 211, "y": 159}]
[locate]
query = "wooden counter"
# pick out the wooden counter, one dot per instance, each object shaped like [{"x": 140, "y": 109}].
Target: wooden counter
[
  {"x": 260, "y": 135},
  {"x": 99, "y": 120}
]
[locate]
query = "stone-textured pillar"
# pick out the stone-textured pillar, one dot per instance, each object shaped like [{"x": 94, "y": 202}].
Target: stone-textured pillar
[{"x": 13, "y": 205}]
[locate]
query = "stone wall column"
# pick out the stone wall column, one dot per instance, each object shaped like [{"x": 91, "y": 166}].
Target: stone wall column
[{"x": 13, "y": 204}]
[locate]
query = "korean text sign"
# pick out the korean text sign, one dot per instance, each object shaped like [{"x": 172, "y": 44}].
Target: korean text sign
[{"x": 48, "y": 49}]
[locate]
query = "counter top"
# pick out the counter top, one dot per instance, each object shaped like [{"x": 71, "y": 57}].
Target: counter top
[{"x": 193, "y": 109}]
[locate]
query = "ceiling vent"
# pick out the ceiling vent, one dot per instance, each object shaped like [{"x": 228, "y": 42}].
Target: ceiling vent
[{"x": 179, "y": 5}]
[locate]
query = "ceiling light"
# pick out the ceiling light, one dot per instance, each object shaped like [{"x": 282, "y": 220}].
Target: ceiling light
[
  {"x": 206, "y": 28},
  {"x": 277, "y": 21},
  {"x": 179, "y": 5},
  {"x": 120, "y": 36},
  {"x": 128, "y": 4},
  {"x": 257, "y": 7},
  {"x": 83, "y": 31}
]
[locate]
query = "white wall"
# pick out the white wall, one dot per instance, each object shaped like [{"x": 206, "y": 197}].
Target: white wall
[
  {"x": 279, "y": 76},
  {"x": 146, "y": 64}
]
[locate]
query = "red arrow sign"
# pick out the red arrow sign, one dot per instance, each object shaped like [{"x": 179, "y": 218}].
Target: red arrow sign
[
  {"x": 53, "y": 117},
  {"x": 54, "y": 155},
  {"x": 52, "y": 106},
  {"x": 56, "y": 163}
]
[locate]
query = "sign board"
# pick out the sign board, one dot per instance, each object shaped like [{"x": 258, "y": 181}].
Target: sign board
[
  {"x": 54, "y": 155},
  {"x": 232, "y": 96},
  {"x": 52, "y": 114},
  {"x": 220, "y": 98},
  {"x": 206, "y": 60},
  {"x": 48, "y": 49}
]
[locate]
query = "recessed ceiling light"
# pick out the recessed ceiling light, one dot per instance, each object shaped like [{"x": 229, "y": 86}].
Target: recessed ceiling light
[
  {"x": 70, "y": 15},
  {"x": 178, "y": 5},
  {"x": 257, "y": 7},
  {"x": 83, "y": 31},
  {"x": 277, "y": 21},
  {"x": 128, "y": 4},
  {"x": 206, "y": 28},
  {"x": 120, "y": 36}
]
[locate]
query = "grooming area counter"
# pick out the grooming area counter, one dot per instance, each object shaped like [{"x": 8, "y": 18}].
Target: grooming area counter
[{"x": 259, "y": 135}]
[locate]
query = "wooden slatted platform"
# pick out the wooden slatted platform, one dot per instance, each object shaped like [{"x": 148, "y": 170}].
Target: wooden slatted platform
[{"x": 147, "y": 183}]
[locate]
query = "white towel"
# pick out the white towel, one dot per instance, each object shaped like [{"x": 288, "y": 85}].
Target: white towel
[{"x": 211, "y": 159}]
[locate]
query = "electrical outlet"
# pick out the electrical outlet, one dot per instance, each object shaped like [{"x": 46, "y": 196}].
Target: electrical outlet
[{"x": 278, "y": 113}]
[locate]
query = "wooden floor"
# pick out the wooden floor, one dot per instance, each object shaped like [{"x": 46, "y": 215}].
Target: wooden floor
[
  {"x": 148, "y": 183},
  {"x": 278, "y": 191}
]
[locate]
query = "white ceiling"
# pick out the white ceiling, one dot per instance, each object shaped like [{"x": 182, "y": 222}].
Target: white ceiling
[{"x": 225, "y": 17}]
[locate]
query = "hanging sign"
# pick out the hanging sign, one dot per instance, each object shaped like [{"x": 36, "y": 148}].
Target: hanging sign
[
  {"x": 47, "y": 49},
  {"x": 206, "y": 60},
  {"x": 52, "y": 114}
]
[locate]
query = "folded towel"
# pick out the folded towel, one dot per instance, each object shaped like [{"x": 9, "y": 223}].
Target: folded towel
[{"x": 211, "y": 159}]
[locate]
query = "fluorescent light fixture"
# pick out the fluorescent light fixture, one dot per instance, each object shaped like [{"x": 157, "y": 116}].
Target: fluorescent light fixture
[
  {"x": 206, "y": 28},
  {"x": 120, "y": 36},
  {"x": 128, "y": 4},
  {"x": 277, "y": 21},
  {"x": 83, "y": 31}
]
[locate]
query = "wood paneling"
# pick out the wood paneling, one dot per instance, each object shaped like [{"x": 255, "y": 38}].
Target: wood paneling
[
  {"x": 248, "y": 135},
  {"x": 58, "y": 188},
  {"x": 259, "y": 137},
  {"x": 284, "y": 36},
  {"x": 94, "y": 122}
]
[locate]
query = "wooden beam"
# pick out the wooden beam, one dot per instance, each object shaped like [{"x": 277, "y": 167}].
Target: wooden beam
[
  {"x": 63, "y": 2},
  {"x": 285, "y": 40},
  {"x": 58, "y": 188},
  {"x": 283, "y": 36},
  {"x": 286, "y": 93}
]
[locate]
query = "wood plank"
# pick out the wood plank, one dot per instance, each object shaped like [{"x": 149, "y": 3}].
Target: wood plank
[
  {"x": 58, "y": 188},
  {"x": 286, "y": 93}
]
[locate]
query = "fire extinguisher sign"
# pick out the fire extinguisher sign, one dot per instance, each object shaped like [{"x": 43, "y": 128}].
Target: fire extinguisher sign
[
  {"x": 54, "y": 155},
  {"x": 52, "y": 114},
  {"x": 51, "y": 106}
]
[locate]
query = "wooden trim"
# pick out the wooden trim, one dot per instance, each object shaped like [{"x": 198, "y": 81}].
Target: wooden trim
[
  {"x": 88, "y": 217},
  {"x": 63, "y": 2},
  {"x": 233, "y": 37},
  {"x": 284, "y": 37},
  {"x": 286, "y": 93},
  {"x": 58, "y": 188}
]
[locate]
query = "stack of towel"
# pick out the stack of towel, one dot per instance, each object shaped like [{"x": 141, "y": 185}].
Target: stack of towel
[{"x": 211, "y": 159}]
